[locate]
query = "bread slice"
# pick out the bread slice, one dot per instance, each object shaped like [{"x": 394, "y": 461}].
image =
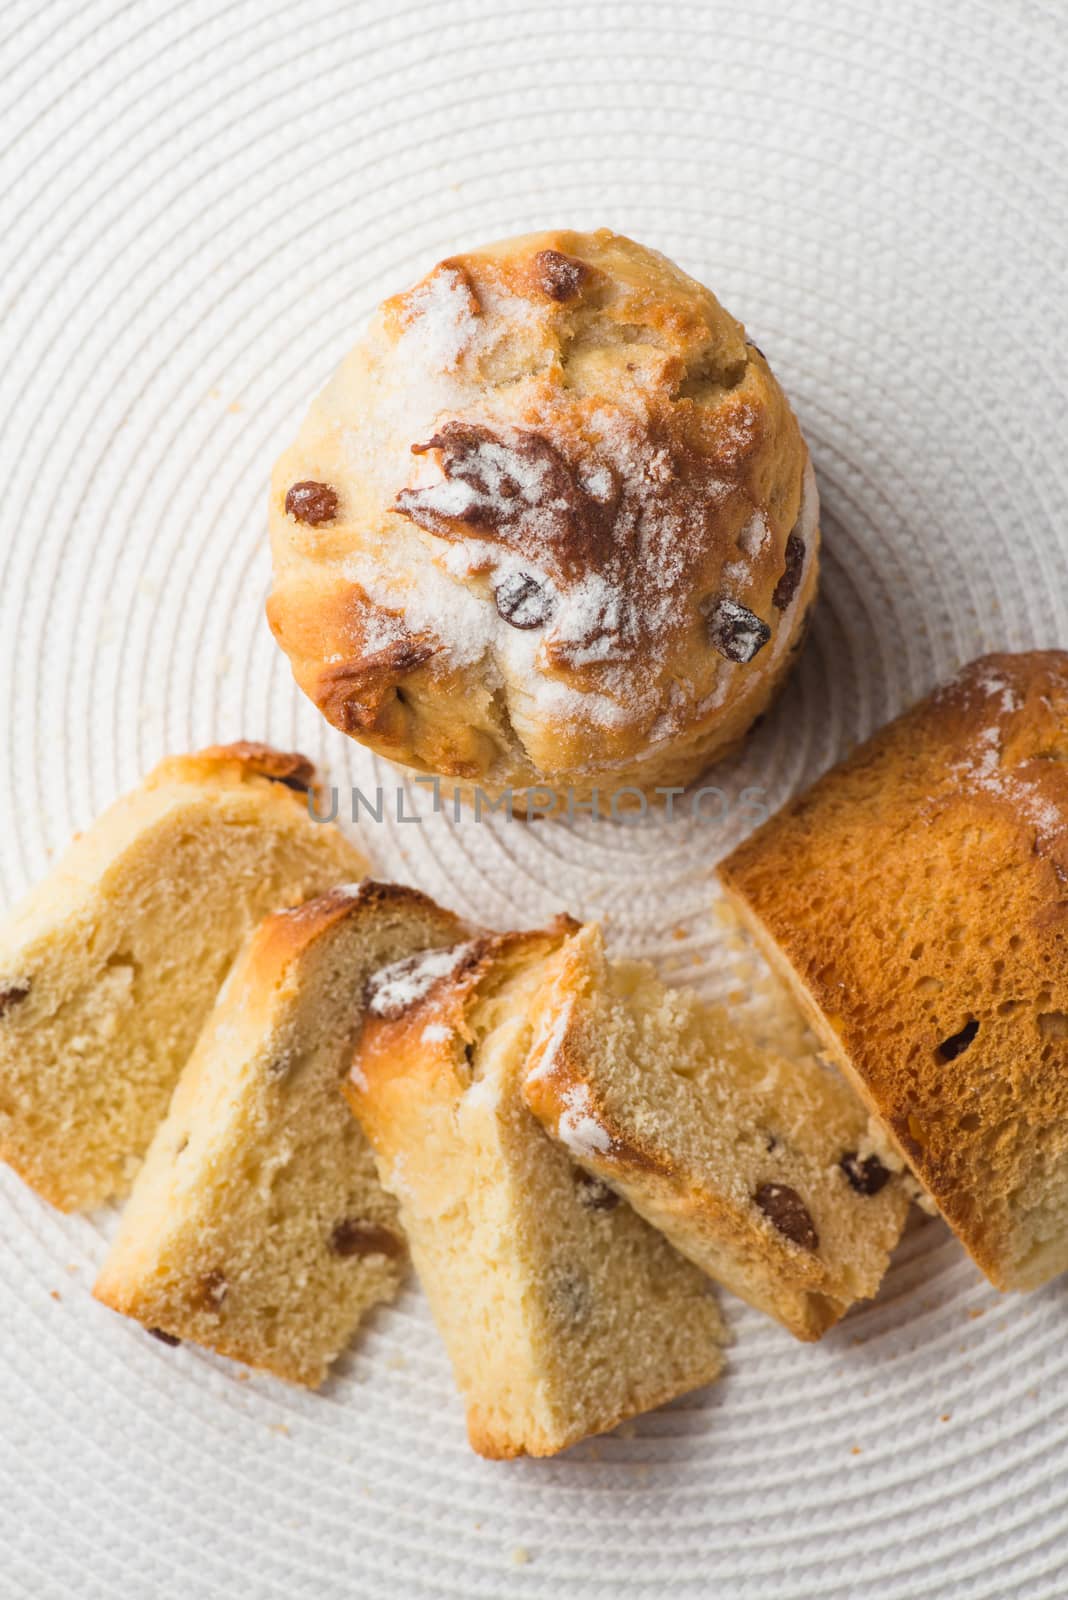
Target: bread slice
[
  {"x": 110, "y": 966},
  {"x": 562, "y": 1311},
  {"x": 758, "y": 1169},
  {"x": 917, "y": 900},
  {"x": 257, "y": 1225}
]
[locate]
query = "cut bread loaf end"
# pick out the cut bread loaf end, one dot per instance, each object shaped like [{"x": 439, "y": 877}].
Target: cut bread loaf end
[
  {"x": 258, "y": 1226},
  {"x": 110, "y": 966},
  {"x": 915, "y": 898},
  {"x": 562, "y": 1311},
  {"x": 758, "y": 1169}
]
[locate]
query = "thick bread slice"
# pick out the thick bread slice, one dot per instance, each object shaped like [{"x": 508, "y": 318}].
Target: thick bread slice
[
  {"x": 757, "y": 1169},
  {"x": 109, "y": 967},
  {"x": 917, "y": 899},
  {"x": 257, "y": 1225},
  {"x": 561, "y": 1310}
]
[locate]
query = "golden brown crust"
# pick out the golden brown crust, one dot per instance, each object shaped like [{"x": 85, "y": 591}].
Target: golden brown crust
[
  {"x": 917, "y": 897},
  {"x": 375, "y": 691},
  {"x": 286, "y": 934},
  {"x": 283, "y": 938},
  {"x": 393, "y": 1042},
  {"x": 569, "y": 541},
  {"x": 287, "y": 767},
  {"x": 243, "y": 761}
]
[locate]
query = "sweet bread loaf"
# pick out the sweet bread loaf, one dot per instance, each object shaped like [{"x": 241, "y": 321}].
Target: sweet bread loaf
[
  {"x": 563, "y": 1312},
  {"x": 551, "y": 524},
  {"x": 758, "y": 1169},
  {"x": 109, "y": 967},
  {"x": 916, "y": 899},
  {"x": 257, "y": 1225}
]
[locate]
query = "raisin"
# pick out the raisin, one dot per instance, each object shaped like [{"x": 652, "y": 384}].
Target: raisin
[
  {"x": 957, "y": 1043},
  {"x": 735, "y": 631},
  {"x": 522, "y": 602},
  {"x": 786, "y": 587},
  {"x": 211, "y": 1291},
  {"x": 559, "y": 276},
  {"x": 164, "y": 1338},
  {"x": 312, "y": 502},
  {"x": 296, "y": 781},
  {"x": 785, "y": 1208},
  {"x": 287, "y": 767},
  {"x": 11, "y": 992},
  {"x": 867, "y": 1176},
  {"x": 352, "y": 1237}
]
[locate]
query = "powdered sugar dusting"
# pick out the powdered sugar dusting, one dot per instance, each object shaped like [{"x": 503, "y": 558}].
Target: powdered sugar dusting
[
  {"x": 558, "y": 700},
  {"x": 441, "y": 319},
  {"x": 548, "y": 1049},
  {"x": 425, "y": 600},
  {"x": 509, "y": 483},
  {"x": 596, "y": 479},
  {"x": 398, "y": 987},
  {"x": 590, "y": 621},
  {"x": 737, "y": 572},
  {"x": 998, "y": 687},
  {"x": 754, "y": 536},
  {"x": 611, "y": 541},
  {"x": 578, "y": 1129},
  {"x": 981, "y": 772},
  {"x": 382, "y": 629}
]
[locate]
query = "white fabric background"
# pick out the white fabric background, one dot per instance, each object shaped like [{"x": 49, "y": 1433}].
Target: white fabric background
[{"x": 201, "y": 201}]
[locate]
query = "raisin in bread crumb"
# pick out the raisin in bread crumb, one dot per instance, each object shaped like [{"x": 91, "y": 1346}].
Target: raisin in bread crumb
[
  {"x": 915, "y": 899},
  {"x": 111, "y": 965},
  {"x": 756, "y": 1168},
  {"x": 562, "y": 1312},
  {"x": 258, "y": 1226}
]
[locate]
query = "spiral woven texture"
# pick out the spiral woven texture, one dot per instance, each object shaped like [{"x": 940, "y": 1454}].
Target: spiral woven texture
[{"x": 202, "y": 200}]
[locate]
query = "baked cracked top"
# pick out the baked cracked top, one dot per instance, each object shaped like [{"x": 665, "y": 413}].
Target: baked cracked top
[{"x": 551, "y": 522}]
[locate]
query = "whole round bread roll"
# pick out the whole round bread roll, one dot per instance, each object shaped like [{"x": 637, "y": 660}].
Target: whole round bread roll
[{"x": 551, "y": 526}]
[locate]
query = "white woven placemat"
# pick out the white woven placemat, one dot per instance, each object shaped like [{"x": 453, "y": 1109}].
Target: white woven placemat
[{"x": 202, "y": 200}]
